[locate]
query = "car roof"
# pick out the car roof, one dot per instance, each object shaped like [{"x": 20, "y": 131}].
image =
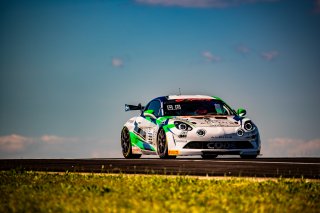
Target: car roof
[{"x": 173, "y": 97}]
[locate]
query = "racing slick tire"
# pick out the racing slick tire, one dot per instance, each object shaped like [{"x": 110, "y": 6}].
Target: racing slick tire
[
  {"x": 162, "y": 146},
  {"x": 126, "y": 145}
]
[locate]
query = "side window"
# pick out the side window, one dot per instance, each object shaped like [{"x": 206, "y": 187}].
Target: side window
[
  {"x": 226, "y": 110},
  {"x": 221, "y": 109},
  {"x": 156, "y": 107}
]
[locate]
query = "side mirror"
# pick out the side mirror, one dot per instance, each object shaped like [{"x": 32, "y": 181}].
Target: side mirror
[
  {"x": 241, "y": 112},
  {"x": 149, "y": 113}
]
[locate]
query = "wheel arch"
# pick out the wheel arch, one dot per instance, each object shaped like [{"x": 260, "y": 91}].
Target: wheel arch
[{"x": 169, "y": 138}]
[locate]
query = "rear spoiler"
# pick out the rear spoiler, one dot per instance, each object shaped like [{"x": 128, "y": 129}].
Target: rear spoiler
[{"x": 128, "y": 107}]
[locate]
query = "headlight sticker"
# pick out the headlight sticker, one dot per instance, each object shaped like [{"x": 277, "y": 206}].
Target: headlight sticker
[{"x": 182, "y": 126}]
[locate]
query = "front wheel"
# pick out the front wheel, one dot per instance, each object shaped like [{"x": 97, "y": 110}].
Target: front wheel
[
  {"x": 162, "y": 146},
  {"x": 126, "y": 145}
]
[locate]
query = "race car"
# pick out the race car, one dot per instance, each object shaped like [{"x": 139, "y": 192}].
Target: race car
[{"x": 185, "y": 125}]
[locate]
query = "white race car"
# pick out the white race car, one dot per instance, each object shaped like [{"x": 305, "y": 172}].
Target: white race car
[{"x": 178, "y": 125}]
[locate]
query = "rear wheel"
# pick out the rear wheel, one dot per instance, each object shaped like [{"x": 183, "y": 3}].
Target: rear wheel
[
  {"x": 162, "y": 146},
  {"x": 126, "y": 145},
  {"x": 208, "y": 156}
]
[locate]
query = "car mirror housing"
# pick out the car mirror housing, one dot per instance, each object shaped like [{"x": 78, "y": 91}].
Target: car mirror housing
[
  {"x": 149, "y": 113},
  {"x": 241, "y": 112}
]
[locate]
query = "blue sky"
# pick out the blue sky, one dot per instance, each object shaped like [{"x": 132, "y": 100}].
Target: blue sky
[{"x": 68, "y": 67}]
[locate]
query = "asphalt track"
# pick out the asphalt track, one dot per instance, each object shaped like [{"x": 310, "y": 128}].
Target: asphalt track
[{"x": 236, "y": 167}]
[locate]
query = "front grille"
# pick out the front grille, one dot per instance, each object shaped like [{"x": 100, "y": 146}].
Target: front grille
[{"x": 218, "y": 145}]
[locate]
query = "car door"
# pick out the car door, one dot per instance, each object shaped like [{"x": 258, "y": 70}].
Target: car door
[{"x": 147, "y": 126}]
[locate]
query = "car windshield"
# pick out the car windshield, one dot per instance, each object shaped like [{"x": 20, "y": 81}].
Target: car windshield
[{"x": 194, "y": 107}]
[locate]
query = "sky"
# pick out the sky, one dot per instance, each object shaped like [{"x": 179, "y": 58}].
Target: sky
[{"x": 67, "y": 68}]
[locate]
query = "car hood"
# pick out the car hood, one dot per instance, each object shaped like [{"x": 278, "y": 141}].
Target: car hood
[{"x": 210, "y": 121}]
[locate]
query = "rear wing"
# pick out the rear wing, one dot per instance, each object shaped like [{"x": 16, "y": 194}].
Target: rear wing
[{"x": 128, "y": 107}]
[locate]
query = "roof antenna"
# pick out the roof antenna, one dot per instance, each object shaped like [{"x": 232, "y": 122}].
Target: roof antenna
[{"x": 179, "y": 91}]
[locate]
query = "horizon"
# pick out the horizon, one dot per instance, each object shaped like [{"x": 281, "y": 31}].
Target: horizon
[{"x": 67, "y": 68}]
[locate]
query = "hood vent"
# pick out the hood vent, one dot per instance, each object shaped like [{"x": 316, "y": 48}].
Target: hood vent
[{"x": 220, "y": 117}]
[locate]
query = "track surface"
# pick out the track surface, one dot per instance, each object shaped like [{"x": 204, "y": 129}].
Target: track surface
[{"x": 261, "y": 167}]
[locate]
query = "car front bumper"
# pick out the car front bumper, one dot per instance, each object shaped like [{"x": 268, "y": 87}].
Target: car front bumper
[{"x": 249, "y": 144}]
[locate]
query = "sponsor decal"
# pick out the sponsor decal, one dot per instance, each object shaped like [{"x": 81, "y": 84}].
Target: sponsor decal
[
  {"x": 174, "y": 107},
  {"x": 181, "y": 140},
  {"x": 173, "y": 152},
  {"x": 136, "y": 150},
  {"x": 224, "y": 123},
  {"x": 223, "y": 136},
  {"x": 150, "y": 136},
  {"x": 183, "y": 134},
  {"x": 221, "y": 145},
  {"x": 139, "y": 131}
]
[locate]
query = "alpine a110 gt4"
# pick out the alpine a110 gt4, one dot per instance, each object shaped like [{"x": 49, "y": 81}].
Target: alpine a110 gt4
[{"x": 184, "y": 125}]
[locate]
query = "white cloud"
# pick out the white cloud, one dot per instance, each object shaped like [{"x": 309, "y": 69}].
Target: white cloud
[
  {"x": 56, "y": 139},
  {"x": 210, "y": 57},
  {"x": 19, "y": 144},
  {"x": 243, "y": 49},
  {"x": 288, "y": 147},
  {"x": 54, "y": 146},
  {"x": 201, "y": 3},
  {"x": 13, "y": 143},
  {"x": 117, "y": 62},
  {"x": 270, "y": 55}
]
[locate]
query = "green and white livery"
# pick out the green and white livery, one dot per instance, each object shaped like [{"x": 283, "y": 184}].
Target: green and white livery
[{"x": 182, "y": 125}]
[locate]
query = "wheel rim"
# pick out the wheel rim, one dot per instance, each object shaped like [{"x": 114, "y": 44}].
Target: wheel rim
[
  {"x": 125, "y": 141},
  {"x": 161, "y": 142}
]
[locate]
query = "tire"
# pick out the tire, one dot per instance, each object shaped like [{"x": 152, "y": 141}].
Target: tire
[
  {"x": 126, "y": 145},
  {"x": 248, "y": 156},
  {"x": 209, "y": 156},
  {"x": 162, "y": 146}
]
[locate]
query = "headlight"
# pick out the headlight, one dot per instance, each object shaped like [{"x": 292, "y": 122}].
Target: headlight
[
  {"x": 248, "y": 126},
  {"x": 182, "y": 126}
]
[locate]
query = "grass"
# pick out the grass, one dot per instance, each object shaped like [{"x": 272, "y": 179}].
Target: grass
[{"x": 72, "y": 192}]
